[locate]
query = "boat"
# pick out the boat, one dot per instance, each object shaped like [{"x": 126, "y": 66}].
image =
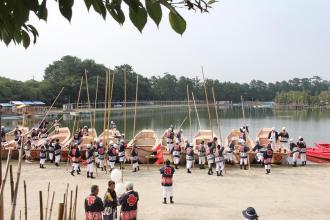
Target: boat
[
  {"x": 320, "y": 151},
  {"x": 10, "y": 142},
  {"x": 167, "y": 153},
  {"x": 86, "y": 139},
  {"x": 202, "y": 135},
  {"x": 145, "y": 141},
  {"x": 234, "y": 135},
  {"x": 110, "y": 135},
  {"x": 280, "y": 156}
]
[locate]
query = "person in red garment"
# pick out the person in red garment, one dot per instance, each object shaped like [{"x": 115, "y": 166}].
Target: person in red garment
[
  {"x": 93, "y": 205},
  {"x": 129, "y": 203},
  {"x": 167, "y": 181},
  {"x": 302, "y": 149}
]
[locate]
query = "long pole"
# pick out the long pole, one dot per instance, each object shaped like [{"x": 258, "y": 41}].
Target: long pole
[
  {"x": 217, "y": 115},
  {"x": 89, "y": 103},
  {"x": 105, "y": 104},
  {"x": 136, "y": 98},
  {"x": 110, "y": 101},
  {"x": 75, "y": 204},
  {"x": 25, "y": 201},
  {"x": 51, "y": 206},
  {"x": 243, "y": 112},
  {"x": 207, "y": 100},
  {"x": 41, "y": 206},
  {"x": 199, "y": 122},
  {"x": 95, "y": 107},
  {"x": 11, "y": 182},
  {"x": 13, "y": 206},
  {"x": 3, "y": 183},
  {"x": 125, "y": 100},
  {"x": 189, "y": 113},
  {"x": 66, "y": 202},
  {"x": 60, "y": 211},
  {"x": 77, "y": 106},
  {"x": 70, "y": 209},
  {"x": 47, "y": 201}
]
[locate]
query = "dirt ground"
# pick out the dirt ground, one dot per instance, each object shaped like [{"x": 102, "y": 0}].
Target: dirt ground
[{"x": 287, "y": 193}]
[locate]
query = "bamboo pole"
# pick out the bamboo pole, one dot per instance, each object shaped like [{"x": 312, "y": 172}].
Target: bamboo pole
[
  {"x": 136, "y": 98},
  {"x": 11, "y": 182},
  {"x": 207, "y": 100},
  {"x": 89, "y": 103},
  {"x": 189, "y": 113},
  {"x": 3, "y": 183},
  {"x": 110, "y": 103},
  {"x": 60, "y": 211},
  {"x": 13, "y": 206},
  {"x": 75, "y": 204},
  {"x": 66, "y": 202},
  {"x": 217, "y": 115},
  {"x": 199, "y": 122},
  {"x": 244, "y": 119},
  {"x": 70, "y": 209},
  {"x": 48, "y": 188},
  {"x": 125, "y": 100},
  {"x": 105, "y": 104},
  {"x": 50, "y": 108},
  {"x": 51, "y": 206},
  {"x": 41, "y": 206},
  {"x": 25, "y": 201},
  {"x": 77, "y": 106},
  {"x": 96, "y": 93}
]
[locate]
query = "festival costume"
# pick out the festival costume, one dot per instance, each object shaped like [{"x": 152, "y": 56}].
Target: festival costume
[
  {"x": 129, "y": 202},
  {"x": 93, "y": 208},
  {"x": 201, "y": 156},
  {"x": 295, "y": 153},
  {"x": 243, "y": 153},
  {"x": 176, "y": 150},
  {"x": 268, "y": 155},
  {"x": 57, "y": 153},
  {"x": 112, "y": 156},
  {"x": 167, "y": 182},
  {"x": 219, "y": 161},
  {"x": 135, "y": 159},
  {"x": 302, "y": 148},
  {"x": 190, "y": 156},
  {"x": 110, "y": 205}
]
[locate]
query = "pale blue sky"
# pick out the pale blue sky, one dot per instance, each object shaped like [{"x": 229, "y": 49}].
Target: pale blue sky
[{"x": 239, "y": 40}]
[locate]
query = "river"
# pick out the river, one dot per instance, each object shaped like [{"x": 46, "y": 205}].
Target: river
[{"x": 313, "y": 125}]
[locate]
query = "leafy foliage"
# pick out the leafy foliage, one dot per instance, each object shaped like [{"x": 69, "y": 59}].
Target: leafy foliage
[
  {"x": 15, "y": 26},
  {"x": 68, "y": 71}
]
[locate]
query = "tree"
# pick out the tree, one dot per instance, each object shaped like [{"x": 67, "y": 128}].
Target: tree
[{"x": 15, "y": 25}]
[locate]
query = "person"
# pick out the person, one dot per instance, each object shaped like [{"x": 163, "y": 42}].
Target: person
[
  {"x": 135, "y": 158},
  {"x": 57, "y": 152},
  {"x": 250, "y": 214},
  {"x": 35, "y": 137},
  {"x": 110, "y": 202},
  {"x": 167, "y": 181},
  {"x": 176, "y": 150},
  {"x": 27, "y": 149},
  {"x": 295, "y": 152},
  {"x": 210, "y": 157},
  {"x": 85, "y": 130},
  {"x": 268, "y": 155},
  {"x": 112, "y": 156},
  {"x": 113, "y": 125},
  {"x": 243, "y": 153},
  {"x": 57, "y": 125},
  {"x": 43, "y": 133},
  {"x": 284, "y": 138},
  {"x": 93, "y": 205},
  {"x": 75, "y": 155},
  {"x": 302, "y": 149},
  {"x": 230, "y": 150},
  {"x": 201, "y": 155},
  {"x": 129, "y": 203},
  {"x": 190, "y": 157},
  {"x": 179, "y": 135},
  {"x": 242, "y": 135},
  {"x": 219, "y": 160},
  {"x": 42, "y": 155},
  {"x": 273, "y": 135},
  {"x": 90, "y": 161},
  {"x": 170, "y": 139},
  {"x": 258, "y": 149},
  {"x": 101, "y": 155},
  {"x": 3, "y": 134},
  {"x": 81, "y": 132},
  {"x": 121, "y": 154},
  {"x": 17, "y": 136},
  {"x": 76, "y": 138},
  {"x": 51, "y": 149}
]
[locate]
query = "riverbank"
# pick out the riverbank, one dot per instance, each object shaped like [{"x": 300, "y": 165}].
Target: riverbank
[{"x": 287, "y": 193}]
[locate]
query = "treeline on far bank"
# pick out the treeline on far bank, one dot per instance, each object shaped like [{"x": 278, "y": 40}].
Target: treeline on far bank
[{"x": 68, "y": 71}]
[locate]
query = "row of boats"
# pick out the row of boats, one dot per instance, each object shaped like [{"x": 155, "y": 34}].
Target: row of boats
[{"x": 146, "y": 142}]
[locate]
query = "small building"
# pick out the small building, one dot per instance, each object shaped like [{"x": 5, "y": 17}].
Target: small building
[
  {"x": 28, "y": 107},
  {"x": 6, "y": 108}
]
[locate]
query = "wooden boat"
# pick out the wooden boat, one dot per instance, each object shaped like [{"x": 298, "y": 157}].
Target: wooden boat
[
  {"x": 145, "y": 141},
  {"x": 166, "y": 153},
  {"x": 234, "y": 135},
  {"x": 63, "y": 136},
  {"x": 202, "y": 135},
  {"x": 10, "y": 142},
  {"x": 279, "y": 156},
  {"x": 109, "y": 135},
  {"x": 86, "y": 139}
]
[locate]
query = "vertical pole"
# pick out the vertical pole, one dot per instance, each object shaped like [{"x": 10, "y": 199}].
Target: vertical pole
[
  {"x": 95, "y": 107},
  {"x": 136, "y": 98},
  {"x": 60, "y": 211},
  {"x": 25, "y": 201},
  {"x": 41, "y": 206},
  {"x": 51, "y": 207},
  {"x": 105, "y": 104},
  {"x": 217, "y": 115},
  {"x": 125, "y": 100},
  {"x": 11, "y": 182},
  {"x": 199, "y": 122},
  {"x": 207, "y": 100},
  {"x": 75, "y": 204},
  {"x": 189, "y": 113},
  {"x": 89, "y": 103},
  {"x": 70, "y": 207},
  {"x": 48, "y": 188}
]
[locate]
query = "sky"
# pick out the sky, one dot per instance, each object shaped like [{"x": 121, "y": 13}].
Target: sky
[{"x": 239, "y": 40}]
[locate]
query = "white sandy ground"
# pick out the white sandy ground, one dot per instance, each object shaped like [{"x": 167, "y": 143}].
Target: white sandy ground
[{"x": 288, "y": 193}]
